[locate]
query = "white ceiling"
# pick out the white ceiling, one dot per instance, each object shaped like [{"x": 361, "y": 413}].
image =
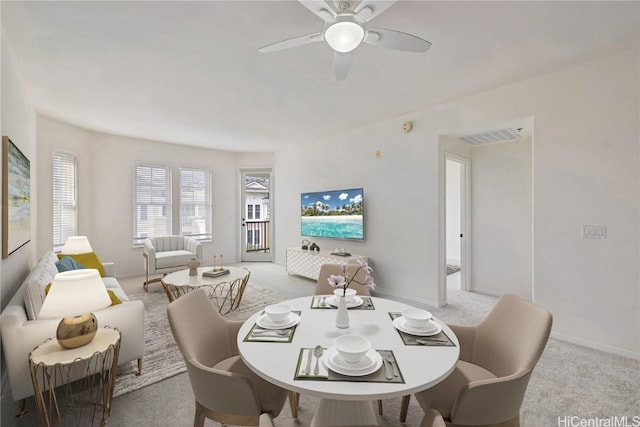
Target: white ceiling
[{"x": 190, "y": 72}]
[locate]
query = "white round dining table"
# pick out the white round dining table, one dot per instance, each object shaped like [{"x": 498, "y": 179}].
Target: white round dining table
[{"x": 348, "y": 402}]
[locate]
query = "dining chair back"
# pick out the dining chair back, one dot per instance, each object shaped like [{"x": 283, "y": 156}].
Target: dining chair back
[
  {"x": 353, "y": 270},
  {"x": 225, "y": 389},
  {"x": 497, "y": 357}
]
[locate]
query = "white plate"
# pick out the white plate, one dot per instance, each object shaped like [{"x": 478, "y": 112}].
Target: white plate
[
  {"x": 433, "y": 329},
  {"x": 371, "y": 362},
  {"x": 357, "y": 301},
  {"x": 265, "y": 322}
]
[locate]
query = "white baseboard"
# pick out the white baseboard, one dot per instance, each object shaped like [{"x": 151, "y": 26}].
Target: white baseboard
[{"x": 629, "y": 354}]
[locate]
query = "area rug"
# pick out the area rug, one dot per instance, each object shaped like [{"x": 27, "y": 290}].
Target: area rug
[{"x": 162, "y": 358}]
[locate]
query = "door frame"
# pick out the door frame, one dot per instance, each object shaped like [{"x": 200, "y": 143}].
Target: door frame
[
  {"x": 465, "y": 222},
  {"x": 245, "y": 256}
]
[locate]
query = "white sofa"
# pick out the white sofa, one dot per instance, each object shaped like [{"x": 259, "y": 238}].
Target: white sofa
[{"x": 22, "y": 331}]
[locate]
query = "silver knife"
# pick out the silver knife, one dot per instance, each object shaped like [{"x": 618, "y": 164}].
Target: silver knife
[
  {"x": 387, "y": 369},
  {"x": 307, "y": 369}
]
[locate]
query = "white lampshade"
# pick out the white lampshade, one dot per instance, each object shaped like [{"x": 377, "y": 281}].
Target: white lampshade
[
  {"x": 344, "y": 36},
  {"x": 74, "y": 293},
  {"x": 76, "y": 245}
]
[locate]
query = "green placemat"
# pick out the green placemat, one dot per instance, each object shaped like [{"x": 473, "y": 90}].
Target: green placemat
[
  {"x": 321, "y": 302},
  {"x": 259, "y": 334},
  {"x": 439, "y": 340},
  {"x": 389, "y": 372}
]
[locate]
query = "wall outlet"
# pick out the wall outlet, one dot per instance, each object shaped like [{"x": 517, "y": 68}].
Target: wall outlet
[{"x": 594, "y": 231}]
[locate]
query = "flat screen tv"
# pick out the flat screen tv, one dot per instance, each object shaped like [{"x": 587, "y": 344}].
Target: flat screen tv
[{"x": 335, "y": 214}]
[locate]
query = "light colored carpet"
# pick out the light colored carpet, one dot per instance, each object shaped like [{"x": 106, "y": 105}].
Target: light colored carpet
[
  {"x": 162, "y": 357},
  {"x": 569, "y": 380}
]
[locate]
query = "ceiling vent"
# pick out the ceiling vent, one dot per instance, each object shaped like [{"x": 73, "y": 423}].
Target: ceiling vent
[{"x": 498, "y": 135}]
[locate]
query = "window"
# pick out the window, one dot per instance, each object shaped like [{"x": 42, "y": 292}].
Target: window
[
  {"x": 65, "y": 206},
  {"x": 257, "y": 211},
  {"x": 152, "y": 202},
  {"x": 195, "y": 203},
  {"x": 249, "y": 211}
]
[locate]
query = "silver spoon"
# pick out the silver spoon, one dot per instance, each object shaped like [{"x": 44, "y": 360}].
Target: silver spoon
[
  {"x": 317, "y": 352},
  {"x": 427, "y": 341}
]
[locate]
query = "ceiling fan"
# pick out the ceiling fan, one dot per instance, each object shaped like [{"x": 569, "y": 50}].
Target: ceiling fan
[{"x": 346, "y": 27}]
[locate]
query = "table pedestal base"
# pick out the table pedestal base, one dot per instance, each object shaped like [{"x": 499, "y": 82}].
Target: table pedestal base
[{"x": 331, "y": 412}]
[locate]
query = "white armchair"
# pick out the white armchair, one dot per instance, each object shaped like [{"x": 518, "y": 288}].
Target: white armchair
[{"x": 164, "y": 254}]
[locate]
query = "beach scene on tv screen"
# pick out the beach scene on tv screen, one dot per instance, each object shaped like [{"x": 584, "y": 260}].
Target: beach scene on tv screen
[{"x": 337, "y": 214}]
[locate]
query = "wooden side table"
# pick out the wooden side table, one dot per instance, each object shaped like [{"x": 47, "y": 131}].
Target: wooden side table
[{"x": 82, "y": 378}]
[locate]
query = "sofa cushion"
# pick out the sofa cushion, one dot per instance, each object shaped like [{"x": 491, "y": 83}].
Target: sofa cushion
[
  {"x": 42, "y": 274},
  {"x": 88, "y": 260},
  {"x": 67, "y": 264},
  {"x": 172, "y": 259}
]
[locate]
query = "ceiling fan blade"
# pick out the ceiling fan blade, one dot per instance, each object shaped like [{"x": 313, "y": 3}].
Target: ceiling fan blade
[
  {"x": 342, "y": 64},
  {"x": 320, "y": 8},
  {"x": 369, "y": 9},
  {"x": 294, "y": 42},
  {"x": 397, "y": 40}
]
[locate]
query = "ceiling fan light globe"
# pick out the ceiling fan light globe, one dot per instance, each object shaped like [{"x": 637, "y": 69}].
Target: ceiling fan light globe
[{"x": 344, "y": 36}]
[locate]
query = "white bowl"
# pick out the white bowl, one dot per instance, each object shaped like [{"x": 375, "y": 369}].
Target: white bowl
[
  {"x": 350, "y": 294},
  {"x": 278, "y": 313},
  {"x": 352, "y": 348},
  {"x": 416, "y": 318}
]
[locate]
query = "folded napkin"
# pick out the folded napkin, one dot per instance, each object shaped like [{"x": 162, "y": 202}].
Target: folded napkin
[
  {"x": 306, "y": 366},
  {"x": 439, "y": 340},
  {"x": 322, "y": 301}
]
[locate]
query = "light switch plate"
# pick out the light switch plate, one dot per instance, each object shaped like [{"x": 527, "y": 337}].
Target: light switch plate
[{"x": 594, "y": 231}]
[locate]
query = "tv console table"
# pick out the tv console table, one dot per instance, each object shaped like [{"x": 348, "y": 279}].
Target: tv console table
[{"x": 307, "y": 263}]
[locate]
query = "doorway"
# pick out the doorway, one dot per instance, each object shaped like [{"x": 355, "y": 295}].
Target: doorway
[
  {"x": 457, "y": 259},
  {"x": 256, "y": 232}
]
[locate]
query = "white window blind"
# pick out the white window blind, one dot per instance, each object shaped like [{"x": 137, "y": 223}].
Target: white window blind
[
  {"x": 152, "y": 202},
  {"x": 195, "y": 203},
  {"x": 65, "y": 207}
]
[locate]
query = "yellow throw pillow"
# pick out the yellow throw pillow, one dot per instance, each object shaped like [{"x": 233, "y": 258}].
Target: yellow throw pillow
[
  {"x": 114, "y": 299},
  {"x": 88, "y": 260}
]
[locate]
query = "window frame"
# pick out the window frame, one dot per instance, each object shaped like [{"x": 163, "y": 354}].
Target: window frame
[
  {"x": 206, "y": 206},
  {"x": 167, "y": 207},
  {"x": 69, "y": 203}
]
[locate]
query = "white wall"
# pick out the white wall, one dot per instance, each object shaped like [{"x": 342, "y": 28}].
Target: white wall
[
  {"x": 501, "y": 219},
  {"x": 105, "y": 184},
  {"x": 18, "y": 122},
  {"x": 585, "y": 171}
]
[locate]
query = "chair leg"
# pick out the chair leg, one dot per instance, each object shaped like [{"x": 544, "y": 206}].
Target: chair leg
[
  {"x": 293, "y": 403},
  {"x": 380, "y": 407},
  {"x": 404, "y": 408},
  {"x": 21, "y": 408},
  {"x": 139, "y": 367},
  {"x": 199, "y": 418}
]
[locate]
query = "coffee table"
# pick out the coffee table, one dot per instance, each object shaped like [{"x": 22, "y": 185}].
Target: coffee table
[
  {"x": 348, "y": 403},
  {"x": 224, "y": 291}
]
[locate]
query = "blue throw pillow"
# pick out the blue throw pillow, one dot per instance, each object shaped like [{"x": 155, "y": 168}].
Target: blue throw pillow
[{"x": 67, "y": 264}]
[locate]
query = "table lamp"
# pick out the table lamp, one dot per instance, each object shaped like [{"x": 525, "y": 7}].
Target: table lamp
[
  {"x": 76, "y": 245},
  {"x": 73, "y": 295}
]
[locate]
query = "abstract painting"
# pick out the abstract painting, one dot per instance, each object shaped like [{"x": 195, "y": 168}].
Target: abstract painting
[{"x": 16, "y": 209}]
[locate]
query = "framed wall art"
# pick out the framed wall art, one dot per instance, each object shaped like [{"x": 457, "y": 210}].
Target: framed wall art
[{"x": 16, "y": 198}]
